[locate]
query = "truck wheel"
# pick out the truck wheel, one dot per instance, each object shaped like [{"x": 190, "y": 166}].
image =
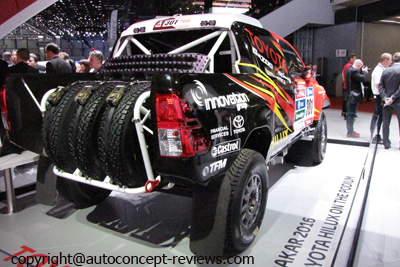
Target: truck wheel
[
  {"x": 118, "y": 143},
  {"x": 82, "y": 195},
  {"x": 309, "y": 153},
  {"x": 85, "y": 134},
  {"x": 320, "y": 140},
  {"x": 248, "y": 178}
]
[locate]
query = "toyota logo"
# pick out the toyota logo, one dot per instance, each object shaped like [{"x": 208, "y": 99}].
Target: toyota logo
[{"x": 238, "y": 121}]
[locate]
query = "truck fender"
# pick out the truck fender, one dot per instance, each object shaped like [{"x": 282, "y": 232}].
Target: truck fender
[{"x": 260, "y": 135}]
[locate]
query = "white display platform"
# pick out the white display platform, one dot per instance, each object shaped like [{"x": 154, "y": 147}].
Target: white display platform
[{"x": 303, "y": 223}]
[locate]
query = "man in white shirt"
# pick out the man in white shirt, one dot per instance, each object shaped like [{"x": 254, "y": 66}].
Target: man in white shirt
[{"x": 384, "y": 63}]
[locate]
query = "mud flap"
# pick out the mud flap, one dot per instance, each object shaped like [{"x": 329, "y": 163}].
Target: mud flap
[
  {"x": 209, "y": 219},
  {"x": 46, "y": 182}
]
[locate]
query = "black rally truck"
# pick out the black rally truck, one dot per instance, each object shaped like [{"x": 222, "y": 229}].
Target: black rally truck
[{"x": 204, "y": 102}]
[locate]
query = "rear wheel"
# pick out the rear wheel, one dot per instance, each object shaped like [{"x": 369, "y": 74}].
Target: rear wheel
[
  {"x": 248, "y": 178},
  {"x": 82, "y": 195}
]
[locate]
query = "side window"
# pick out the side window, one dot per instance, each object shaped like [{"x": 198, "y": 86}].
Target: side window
[
  {"x": 223, "y": 57},
  {"x": 246, "y": 61},
  {"x": 293, "y": 62}
]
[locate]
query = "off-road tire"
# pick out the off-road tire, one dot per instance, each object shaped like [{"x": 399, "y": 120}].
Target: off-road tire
[
  {"x": 82, "y": 195},
  {"x": 248, "y": 178},
  {"x": 118, "y": 144},
  {"x": 73, "y": 127},
  {"x": 47, "y": 118},
  {"x": 320, "y": 140},
  {"x": 310, "y": 153},
  {"x": 84, "y": 139},
  {"x": 57, "y": 125}
]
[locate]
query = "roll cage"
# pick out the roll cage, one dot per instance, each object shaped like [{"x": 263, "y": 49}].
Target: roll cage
[{"x": 217, "y": 44}]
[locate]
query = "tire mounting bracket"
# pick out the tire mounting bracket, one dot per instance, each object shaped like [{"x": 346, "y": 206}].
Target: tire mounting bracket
[
  {"x": 84, "y": 94},
  {"x": 55, "y": 97},
  {"x": 115, "y": 96}
]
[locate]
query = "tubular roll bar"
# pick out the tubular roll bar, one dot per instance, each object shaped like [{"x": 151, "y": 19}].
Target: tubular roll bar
[{"x": 151, "y": 183}]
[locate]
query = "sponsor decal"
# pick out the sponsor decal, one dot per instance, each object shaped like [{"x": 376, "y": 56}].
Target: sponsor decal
[
  {"x": 219, "y": 132},
  {"x": 200, "y": 97},
  {"x": 213, "y": 167},
  {"x": 269, "y": 51},
  {"x": 300, "y": 93},
  {"x": 299, "y": 115},
  {"x": 310, "y": 91},
  {"x": 300, "y": 104},
  {"x": 308, "y": 121},
  {"x": 298, "y": 125},
  {"x": 282, "y": 78},
  {"x": 235, "y": 127},
  {"x": 279, "y": 137},
  {"x": 310, "y": 107},
  {"x": 199, "y": 93},
  {"x": 225, "y": 148},
  {"x": 238, "y": 123},
  {"x": 171, "y": 23},
  {"x": 304, "y": 115}
]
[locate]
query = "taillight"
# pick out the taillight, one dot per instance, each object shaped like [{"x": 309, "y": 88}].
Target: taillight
[
  {"x": 4, "y": 109},
  {"x": 179, "y": 134}
]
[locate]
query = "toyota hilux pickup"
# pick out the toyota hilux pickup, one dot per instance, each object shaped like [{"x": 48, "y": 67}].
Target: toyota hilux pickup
[{"x": 204, "y": 102}]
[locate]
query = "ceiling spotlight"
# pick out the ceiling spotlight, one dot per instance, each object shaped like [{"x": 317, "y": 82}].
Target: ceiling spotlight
[{"x": 331, "y": 1}]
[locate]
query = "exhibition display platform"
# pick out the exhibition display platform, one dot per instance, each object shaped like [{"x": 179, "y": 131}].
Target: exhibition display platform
[{"x": 311, "y": 217}]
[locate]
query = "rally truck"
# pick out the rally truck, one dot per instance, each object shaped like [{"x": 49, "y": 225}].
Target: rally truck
[{"x": 201, "y": 102}]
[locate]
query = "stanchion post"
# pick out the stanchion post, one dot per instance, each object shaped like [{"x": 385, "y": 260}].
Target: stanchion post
[{"x": 8, "y": 181}]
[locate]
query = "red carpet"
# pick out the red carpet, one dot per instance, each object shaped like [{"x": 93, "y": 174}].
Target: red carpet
[{"x": 337, "y": 103}]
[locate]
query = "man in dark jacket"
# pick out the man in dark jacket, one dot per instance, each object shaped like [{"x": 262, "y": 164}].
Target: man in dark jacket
[
  {"x": 65, "y": 56},
  {"x": 22, "y": 65},
  {"x": 355, "y": 76},
  {"x": 389, "y": 90},
  {"x": 55, "y": 64}
]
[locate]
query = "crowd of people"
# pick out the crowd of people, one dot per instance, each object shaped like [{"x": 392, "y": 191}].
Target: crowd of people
[
  {"x": 22, "y": 61},
  {"x": 385, "y": 86}
]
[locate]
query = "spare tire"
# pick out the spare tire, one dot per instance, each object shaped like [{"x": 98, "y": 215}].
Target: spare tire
[
  {"x": 84, "y": 139},
  {"x": 119, "y": 147},
  {"x": 56, "y": 123}
]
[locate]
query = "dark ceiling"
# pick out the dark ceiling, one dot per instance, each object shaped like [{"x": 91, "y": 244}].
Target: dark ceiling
[
  {"x": 78, "y": 18},
  {"x": 89, "y": 18}
]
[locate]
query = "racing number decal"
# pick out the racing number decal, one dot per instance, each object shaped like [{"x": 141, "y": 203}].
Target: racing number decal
[{"x": 309, "y": 107}]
